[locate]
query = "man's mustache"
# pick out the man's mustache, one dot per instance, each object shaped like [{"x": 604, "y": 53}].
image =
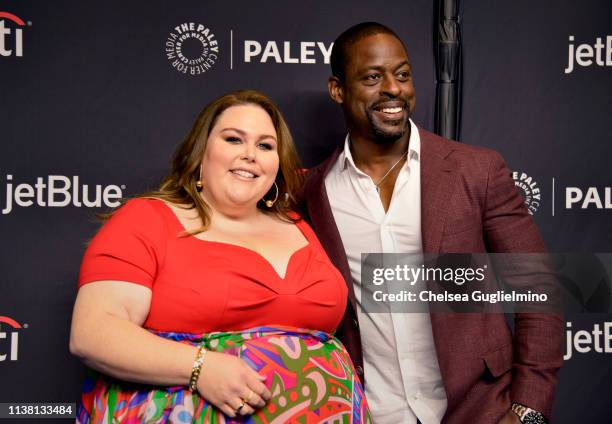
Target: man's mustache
[{"x": 390, "y": 102}]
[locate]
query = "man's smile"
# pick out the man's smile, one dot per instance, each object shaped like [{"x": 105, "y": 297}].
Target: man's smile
[{"x": 390, "y": 110}]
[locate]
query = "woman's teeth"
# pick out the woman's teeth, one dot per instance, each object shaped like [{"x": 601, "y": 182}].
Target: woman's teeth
[{"x": 243, "y": 173}]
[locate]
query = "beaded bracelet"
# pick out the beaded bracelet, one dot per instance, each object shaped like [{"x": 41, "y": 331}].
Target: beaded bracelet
[{"x": 197, "y": 367}]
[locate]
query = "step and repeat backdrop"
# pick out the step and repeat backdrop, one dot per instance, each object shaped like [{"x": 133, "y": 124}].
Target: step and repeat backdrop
[{"x": 94, "y": 97}]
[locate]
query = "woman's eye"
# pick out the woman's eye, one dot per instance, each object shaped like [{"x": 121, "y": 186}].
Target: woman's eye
[
  {"x": 232, "y": 139},
  {"x": 265, "y": 146}
]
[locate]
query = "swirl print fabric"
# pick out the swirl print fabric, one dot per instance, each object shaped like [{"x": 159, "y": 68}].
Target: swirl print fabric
[{"x": 309, "y": 373}]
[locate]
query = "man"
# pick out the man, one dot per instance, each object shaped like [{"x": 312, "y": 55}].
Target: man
[{"x": 394, "y": 187}]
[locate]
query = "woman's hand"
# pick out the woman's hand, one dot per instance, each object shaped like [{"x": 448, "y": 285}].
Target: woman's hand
[{"x": 227, "y": 382}]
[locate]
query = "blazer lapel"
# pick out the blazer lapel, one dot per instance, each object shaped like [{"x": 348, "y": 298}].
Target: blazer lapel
[
  {"x": 322, "y": 219},
  {"x": 436, "y": 188},
  {"x": 437, "y": 181}
]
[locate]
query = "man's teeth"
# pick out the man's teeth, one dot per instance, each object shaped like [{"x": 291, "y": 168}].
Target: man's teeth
[
  {"x": 392, "y": 109},
  {"x": 244, "y": 173}
]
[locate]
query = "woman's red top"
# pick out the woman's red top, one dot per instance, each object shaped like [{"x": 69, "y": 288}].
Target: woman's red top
[{"x": 202, "y": 286}]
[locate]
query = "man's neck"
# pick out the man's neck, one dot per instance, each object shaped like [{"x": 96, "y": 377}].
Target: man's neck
[
  {"x": 382, "y": 162},
  {"x": 374, "y": 157}
]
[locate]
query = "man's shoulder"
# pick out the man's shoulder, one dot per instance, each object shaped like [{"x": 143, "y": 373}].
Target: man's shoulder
[
  {"x": 444, "y": 146},
  {"x": 462, "y": 154}
]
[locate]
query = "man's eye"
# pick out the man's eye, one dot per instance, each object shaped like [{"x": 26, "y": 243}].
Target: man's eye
[
  {"x": 405, "y": 75},
  {"x": 372, "y": 79}
]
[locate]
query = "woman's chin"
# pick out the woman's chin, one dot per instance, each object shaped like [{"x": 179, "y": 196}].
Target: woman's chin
[{"x": 242, "y": 202}]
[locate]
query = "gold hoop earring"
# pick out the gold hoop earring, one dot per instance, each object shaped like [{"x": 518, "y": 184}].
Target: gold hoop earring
[
  {"x": 270, "y": 203},
  {"x": 199, "y": 184}
]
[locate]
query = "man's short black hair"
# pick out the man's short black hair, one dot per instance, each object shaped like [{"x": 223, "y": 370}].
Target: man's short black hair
[{"x": 349, "y": 37}]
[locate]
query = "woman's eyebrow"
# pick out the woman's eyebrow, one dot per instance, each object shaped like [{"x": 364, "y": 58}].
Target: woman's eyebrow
[{"x": 243, "y": 133}]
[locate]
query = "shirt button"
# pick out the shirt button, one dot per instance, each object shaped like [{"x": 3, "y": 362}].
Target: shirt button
[{"x": 359, "y": 370}]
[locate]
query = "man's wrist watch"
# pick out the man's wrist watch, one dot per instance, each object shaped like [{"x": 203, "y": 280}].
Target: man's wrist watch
[{"x": 528, "y": 415}]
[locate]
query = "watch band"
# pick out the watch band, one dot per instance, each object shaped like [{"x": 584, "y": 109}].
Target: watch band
[{"x": 528, "y": 415}]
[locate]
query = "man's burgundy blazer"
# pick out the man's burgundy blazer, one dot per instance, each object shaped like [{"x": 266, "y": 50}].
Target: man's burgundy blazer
[{"x": 468, "y": 204}]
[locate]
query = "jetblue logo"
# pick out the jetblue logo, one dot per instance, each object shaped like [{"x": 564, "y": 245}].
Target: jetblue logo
[
  {"x": 585, "y": 55},
  {"x": 60, "y": 191},
  {"x": 11, "y": 34},
  {"x": 598, "y": 340}
]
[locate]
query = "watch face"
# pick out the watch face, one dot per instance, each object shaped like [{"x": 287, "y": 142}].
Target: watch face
[{"x": 533, "y": 418}]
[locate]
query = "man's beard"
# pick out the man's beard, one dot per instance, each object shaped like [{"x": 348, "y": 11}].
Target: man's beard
[{"x": 388, "y": 135}]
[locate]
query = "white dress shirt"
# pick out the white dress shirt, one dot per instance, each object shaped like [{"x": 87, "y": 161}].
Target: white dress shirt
[{"x": 400, "y": 363}]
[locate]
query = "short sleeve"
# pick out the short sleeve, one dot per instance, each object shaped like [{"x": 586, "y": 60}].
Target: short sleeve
[{"x": 130, "y": 246}]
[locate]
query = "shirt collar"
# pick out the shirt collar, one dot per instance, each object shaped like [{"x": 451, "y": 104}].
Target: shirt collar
[{"x": 414, "y": 148}]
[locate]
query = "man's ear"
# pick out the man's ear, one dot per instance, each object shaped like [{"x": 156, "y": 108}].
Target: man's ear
[{"x": 334, "y": 86}]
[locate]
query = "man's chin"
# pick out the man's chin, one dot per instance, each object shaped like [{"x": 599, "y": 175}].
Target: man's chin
[{"x": 389, "y": 133}]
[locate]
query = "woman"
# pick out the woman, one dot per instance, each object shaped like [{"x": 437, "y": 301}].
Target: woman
[{"x": 209, "y": 300}]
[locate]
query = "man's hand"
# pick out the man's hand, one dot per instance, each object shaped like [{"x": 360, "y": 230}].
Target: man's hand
[{"x": 510, "y": 418}]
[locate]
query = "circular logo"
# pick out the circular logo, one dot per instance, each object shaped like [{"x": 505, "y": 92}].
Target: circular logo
[
  {"x": 192, "y": 48},
  {"x": 529, "y": 190}
]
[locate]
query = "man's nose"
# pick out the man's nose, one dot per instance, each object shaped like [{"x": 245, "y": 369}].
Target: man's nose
[{"x": 390, "y": 86}]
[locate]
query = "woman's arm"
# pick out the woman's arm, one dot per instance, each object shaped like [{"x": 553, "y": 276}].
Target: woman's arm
[{"x": 107, "y": 335}]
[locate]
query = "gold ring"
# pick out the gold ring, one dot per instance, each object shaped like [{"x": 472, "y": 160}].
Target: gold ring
[
  {"x": 240, "y": 407},
  {"x": 248, "y": 398}
]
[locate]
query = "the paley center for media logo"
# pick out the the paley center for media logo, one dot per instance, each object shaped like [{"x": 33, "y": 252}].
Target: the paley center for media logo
[
  {"x": 192, "y": 48},
  {"x": 56, "y": 191},
  {"x": 9, "y": 338},
  {"x": 300, "y": 52},
  {"x": 587, "y": 54},
  {"x": 588, "y": 198},
  {"x": 11, "y": 34},
  {"x": 528, "y": 187}
]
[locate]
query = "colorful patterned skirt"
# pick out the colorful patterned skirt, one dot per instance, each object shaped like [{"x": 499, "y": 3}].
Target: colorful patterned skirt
[{"x": 309, "y": 373}]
